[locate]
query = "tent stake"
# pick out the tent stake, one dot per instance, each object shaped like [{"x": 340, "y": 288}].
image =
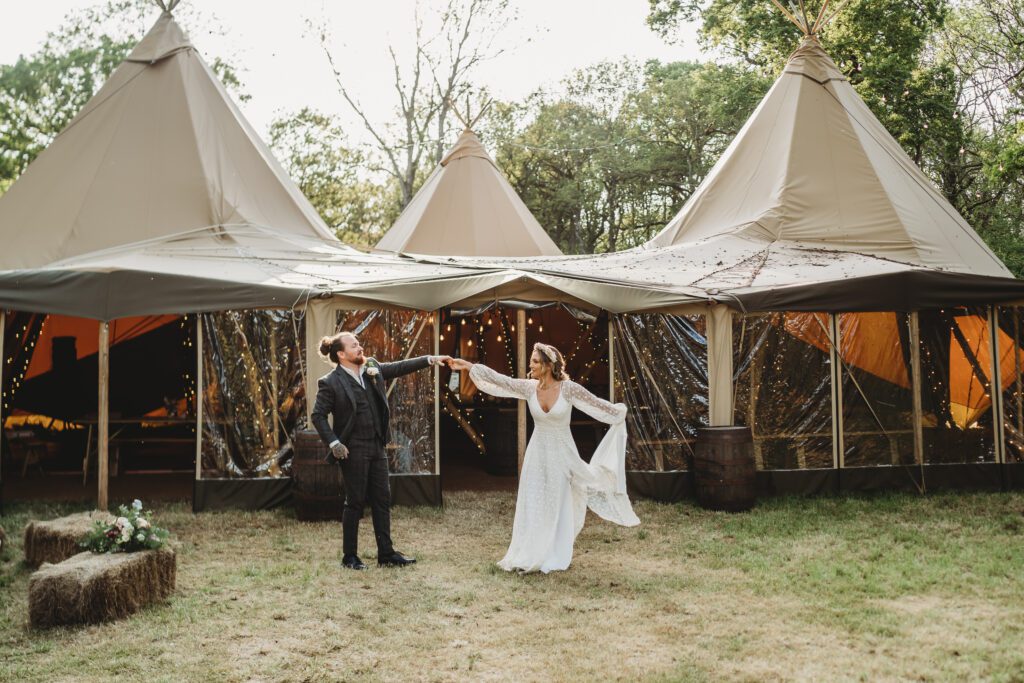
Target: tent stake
[
  {"x": 199, "y": 396},
  {"x": 521, "y": 372},
  {"x": 102, "y": 501}
]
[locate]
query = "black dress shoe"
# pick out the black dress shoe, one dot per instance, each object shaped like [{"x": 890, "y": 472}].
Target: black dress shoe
[
  {"x": 352, "y": 562},
  {"x": 395, "y": 559}
]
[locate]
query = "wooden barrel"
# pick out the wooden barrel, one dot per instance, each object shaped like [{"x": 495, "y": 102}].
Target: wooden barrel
[
  {"x": 724, "y": 473},
  {"x": 317, "y": 488}
]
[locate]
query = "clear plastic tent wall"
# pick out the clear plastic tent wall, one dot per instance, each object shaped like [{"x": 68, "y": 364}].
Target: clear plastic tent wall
[
  {"x": 391, "y": 335},
  {"x": 253, "y": 392},
  {"x": 782, "y": 388},
  {"x": 661, "y": 376},
  {"x": 1011, "y": 362}
]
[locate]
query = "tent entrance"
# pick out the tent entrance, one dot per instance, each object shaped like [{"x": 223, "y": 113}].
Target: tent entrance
[{"x": 479, "y": 433}]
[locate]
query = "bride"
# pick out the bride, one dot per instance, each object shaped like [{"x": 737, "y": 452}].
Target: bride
[{"x": 556, "y": 487}]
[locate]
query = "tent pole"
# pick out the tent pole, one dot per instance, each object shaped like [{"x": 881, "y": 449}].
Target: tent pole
[
  {"x": 437, "y": 393},
  {"x": 611, "y": 359},
  {"x": 719, "y": 328},
  {"x": 995, "y": 389},
  {"x": 3, "y": 395},
  {"x": 1016, "y": 367},
  {"x": 275, "y": 417},
  {"x": 837, "y": 392},
  {"x": 103, "y": 449},
  {"x": 521, "y": 372},
  {"x": 915, "y": 372},
  {"x": 199, "y": 396}
]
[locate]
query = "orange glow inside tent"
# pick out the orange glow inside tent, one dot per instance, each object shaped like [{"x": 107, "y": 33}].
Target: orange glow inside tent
[
  {"x": 871, "y": 342},
  {"x": 87, "y": 336}
]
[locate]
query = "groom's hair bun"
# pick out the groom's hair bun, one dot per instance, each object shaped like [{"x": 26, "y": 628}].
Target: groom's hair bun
[{"x": 329, "y": 346}]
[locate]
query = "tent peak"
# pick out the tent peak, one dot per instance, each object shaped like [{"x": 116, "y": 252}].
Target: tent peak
[
  {"x": 468, "y": 145},
  {"x": 164, "y": 39},
  {"x": 809, "y": 24}
]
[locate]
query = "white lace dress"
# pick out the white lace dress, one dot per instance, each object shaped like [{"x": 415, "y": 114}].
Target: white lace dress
[{"x": 556, "y": 487}]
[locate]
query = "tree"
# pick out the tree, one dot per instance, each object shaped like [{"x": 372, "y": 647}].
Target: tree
[
  {"x": 315, "y": 152},
  {"x": 441, "y": 73},
  {"x": 41, "y": 93},
  {"x": 607, "y": 164}
]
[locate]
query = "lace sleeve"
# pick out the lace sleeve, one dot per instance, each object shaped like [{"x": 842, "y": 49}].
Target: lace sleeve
[
  {"x": 497, "y": 384},
  {"x": 597, "y": 408}
]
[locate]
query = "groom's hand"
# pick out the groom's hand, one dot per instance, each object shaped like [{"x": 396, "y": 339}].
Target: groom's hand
[
  {"x": 442, "y": 360},
  {"x": 339, "y": 451}
]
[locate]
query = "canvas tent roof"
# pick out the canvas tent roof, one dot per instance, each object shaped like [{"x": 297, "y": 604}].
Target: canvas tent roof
[
  {"x": 467, "y": 208},
  {"x": 813, "y": 166},
  {"x": 160, "y": 150}
]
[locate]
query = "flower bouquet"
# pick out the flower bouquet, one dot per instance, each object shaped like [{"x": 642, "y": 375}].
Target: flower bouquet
[{"x": 129, "y": 532}]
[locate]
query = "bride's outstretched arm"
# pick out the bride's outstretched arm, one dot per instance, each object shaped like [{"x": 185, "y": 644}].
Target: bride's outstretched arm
[
  {"x": 497, "y": 384},
  {"x": 597, "y": 408}
]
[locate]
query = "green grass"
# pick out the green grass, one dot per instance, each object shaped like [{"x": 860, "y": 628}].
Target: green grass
[{"x": 884, "y": 587}]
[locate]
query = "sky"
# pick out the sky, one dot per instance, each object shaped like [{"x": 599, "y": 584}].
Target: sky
[{"x": 283, "y": 66}]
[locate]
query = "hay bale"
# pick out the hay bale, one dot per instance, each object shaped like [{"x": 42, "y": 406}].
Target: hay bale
[
  {"x": 57, "y": 539},
  {"x": 90, "y": 588}
]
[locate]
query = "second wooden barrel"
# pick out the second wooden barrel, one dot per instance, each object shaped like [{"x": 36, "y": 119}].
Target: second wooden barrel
[
  {"x": 724, "y": 473},
  {"x": 317, "y": 488}
]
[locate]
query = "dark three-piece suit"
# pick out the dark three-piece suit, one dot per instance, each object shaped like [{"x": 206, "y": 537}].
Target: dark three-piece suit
[{"x": 361, "y": 422}]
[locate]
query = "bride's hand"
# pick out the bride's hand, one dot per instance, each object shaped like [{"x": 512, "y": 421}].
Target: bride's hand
[{"x": 459, "y": 364}]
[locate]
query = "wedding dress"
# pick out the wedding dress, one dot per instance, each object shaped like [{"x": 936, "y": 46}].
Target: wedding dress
[{"x": 556, "y": 487}]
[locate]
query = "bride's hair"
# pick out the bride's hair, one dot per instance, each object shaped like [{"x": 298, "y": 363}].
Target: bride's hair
[{"x": 552, "y": 357}]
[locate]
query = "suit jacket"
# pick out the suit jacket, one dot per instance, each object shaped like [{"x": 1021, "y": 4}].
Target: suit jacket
[{"x": 334, "y": 396}]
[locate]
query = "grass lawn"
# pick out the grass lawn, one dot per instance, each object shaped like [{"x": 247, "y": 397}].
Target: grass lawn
[{"x": 892, "y": 587}]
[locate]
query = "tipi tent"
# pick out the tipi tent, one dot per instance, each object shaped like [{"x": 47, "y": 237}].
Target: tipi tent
[
  {"x": 160, "y": 150},
  {"x": 467, "y": 208}
]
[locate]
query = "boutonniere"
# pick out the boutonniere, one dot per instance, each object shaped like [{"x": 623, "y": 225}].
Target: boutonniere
[{"x": 372, "y": 370}]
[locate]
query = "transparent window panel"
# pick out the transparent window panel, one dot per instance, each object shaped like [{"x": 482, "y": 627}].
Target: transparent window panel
[
  {"x": 1011, "y": 366},
  {"x": 782, "y": 388},
  {"x": 391, "y": 335},
  {"x": 661, "y": 375},
  {"x": 253, "y": 392},
  {"x": 878, "y": 409},
  {"x": 956, "y": 400}
]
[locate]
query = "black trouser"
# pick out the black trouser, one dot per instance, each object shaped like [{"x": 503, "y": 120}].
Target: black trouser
[{"x": 366, "y": 481}]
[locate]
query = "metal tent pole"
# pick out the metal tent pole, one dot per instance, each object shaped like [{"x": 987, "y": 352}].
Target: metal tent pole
[{"x": 103, "y": 450}]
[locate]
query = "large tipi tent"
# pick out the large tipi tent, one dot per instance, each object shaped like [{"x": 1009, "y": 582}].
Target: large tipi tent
[{"x": 159, "y": 150}]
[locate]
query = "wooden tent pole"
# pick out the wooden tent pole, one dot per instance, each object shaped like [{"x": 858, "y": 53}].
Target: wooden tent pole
[
  {"x": 915, "y": 372},
  {"x": 199, "y": 396},
  {"x": 995, "y": 387},
  {"x": 102, "y": 501},
  {"x": 3, "y": 396},
  {"x": 1016, "y": 367},
  {"x": 437, "y": 393},
  {"x": 837, "y": 391},
  {"x": 521, "y": 373},
  {"x": 611, "y": 359}
]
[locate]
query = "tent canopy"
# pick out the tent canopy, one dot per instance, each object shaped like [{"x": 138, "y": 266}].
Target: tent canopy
[
  {"x": 467, "y": 208},
  {"x": 160, "y": 150}
]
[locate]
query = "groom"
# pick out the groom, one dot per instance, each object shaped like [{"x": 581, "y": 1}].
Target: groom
[{"x": 355, "y": 395}]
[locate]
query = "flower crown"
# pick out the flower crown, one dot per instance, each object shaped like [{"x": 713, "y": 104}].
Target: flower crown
[{"x": 549, "y": 352}]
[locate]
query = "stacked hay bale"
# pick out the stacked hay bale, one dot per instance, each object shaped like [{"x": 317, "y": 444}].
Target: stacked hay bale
[
  {"x": 90, "y": 588},
  {"x": 57, "y": 539}
]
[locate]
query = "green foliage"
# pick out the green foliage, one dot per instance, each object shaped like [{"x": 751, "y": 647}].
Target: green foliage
[
  {"x": 607, "y": 164},
  {"x": 129, "y": 532},
  {"x": 333, "y": 176}
]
